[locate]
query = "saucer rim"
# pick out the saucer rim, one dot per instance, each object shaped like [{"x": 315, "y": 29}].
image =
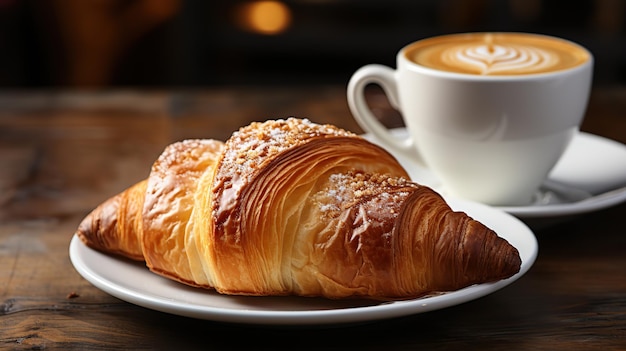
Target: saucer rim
[{"x": 596, "y": 202}]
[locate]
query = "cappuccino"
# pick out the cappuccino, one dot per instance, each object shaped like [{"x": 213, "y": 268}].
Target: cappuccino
[
  {"x": 496, "y": 54},
  {"x": 489, "y": 114}
]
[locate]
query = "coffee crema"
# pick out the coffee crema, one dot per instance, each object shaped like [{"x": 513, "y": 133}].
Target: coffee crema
[{"x": 496, "y": 54}]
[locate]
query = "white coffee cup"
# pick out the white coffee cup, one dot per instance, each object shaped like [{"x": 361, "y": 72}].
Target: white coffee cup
[{"x": 492, "y": 118}]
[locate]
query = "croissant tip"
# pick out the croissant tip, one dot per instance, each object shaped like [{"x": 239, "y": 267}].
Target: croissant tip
[
  {"x": 514, "y": 261},
  {"x": 510, "y": 262}
]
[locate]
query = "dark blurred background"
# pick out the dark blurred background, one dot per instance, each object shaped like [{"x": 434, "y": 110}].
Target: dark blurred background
[{"x": 202, "y": 43}]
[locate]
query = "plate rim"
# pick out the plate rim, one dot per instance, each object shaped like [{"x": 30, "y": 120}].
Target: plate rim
[{"x": 332, "y": 316}]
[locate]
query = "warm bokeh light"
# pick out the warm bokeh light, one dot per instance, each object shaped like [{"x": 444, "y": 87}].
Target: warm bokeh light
[{"x": 265, "y": 17}]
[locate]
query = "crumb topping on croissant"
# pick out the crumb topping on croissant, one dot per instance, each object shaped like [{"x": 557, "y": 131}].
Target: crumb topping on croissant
[
  {"x": 345, "y": 189},
  {"x": 290, "y": 207},
  {"x": 251, "y": 146}
]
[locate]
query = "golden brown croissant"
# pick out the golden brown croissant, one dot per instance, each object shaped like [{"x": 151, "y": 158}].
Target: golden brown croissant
[{"x": 290, "y": 207}]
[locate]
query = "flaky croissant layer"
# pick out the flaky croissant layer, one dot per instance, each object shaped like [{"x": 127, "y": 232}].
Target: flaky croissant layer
[{"x": 290, "y": 207}]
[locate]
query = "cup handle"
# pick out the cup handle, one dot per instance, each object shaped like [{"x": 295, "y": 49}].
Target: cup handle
[{"x": 385, "y": 78}]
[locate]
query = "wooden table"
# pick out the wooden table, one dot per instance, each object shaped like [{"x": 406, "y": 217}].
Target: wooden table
[{"x": 62, "y": 153}]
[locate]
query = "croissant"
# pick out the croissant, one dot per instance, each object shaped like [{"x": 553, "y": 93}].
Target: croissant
[{"x": 290, "y": 207}]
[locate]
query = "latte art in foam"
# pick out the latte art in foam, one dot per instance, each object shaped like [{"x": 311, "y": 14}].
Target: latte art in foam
[
  {"x": 494, "y": 59},
  {"x": 496, "y": 53}
]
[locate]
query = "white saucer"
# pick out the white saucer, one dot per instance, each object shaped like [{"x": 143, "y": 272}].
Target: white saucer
[
  {"x": 591, "y": 175},
  {"x": 133, "y": 282}
]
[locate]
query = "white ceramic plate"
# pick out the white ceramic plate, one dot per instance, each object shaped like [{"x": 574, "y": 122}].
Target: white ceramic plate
[
  {"x": 591, "y": 175},
  {"x": 134, "y": 283}
]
